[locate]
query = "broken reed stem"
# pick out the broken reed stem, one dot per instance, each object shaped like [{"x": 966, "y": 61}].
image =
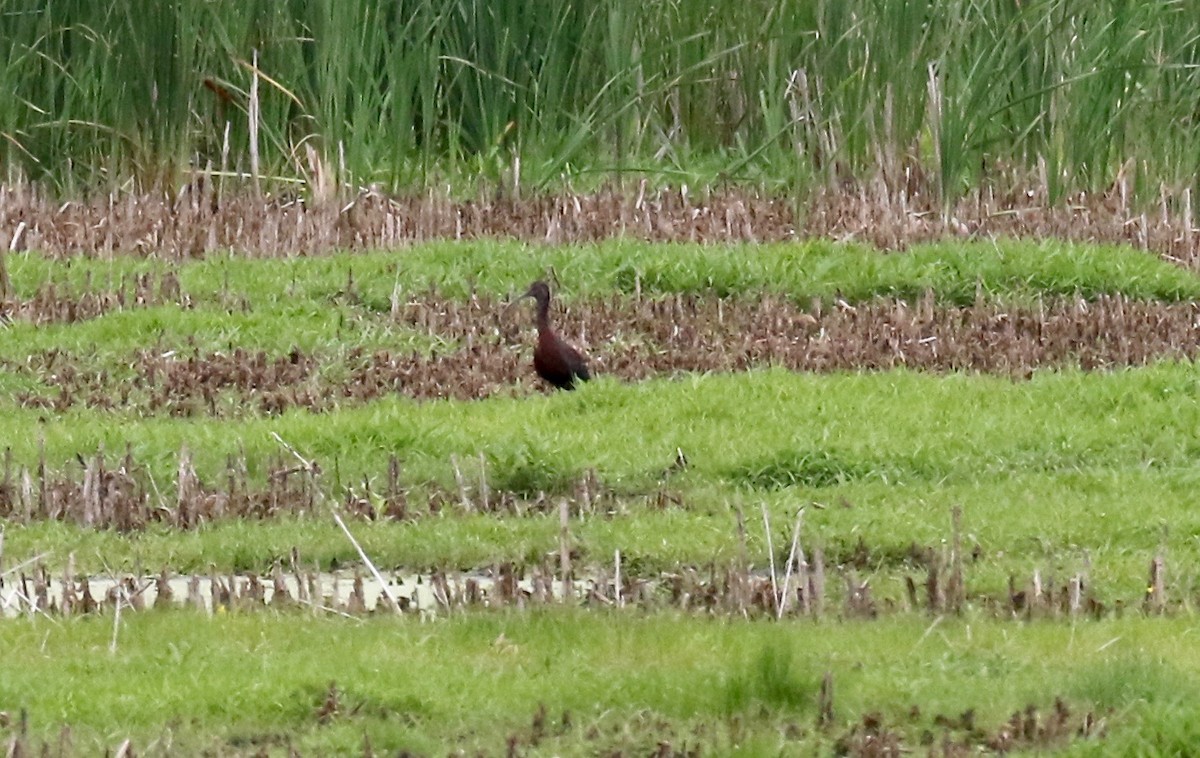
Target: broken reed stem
[
  {"x": 956, "y": 593},
  {"x": 743, "y": 568},
  {"x": 743, "y": 551},
  {"x": 396, "y": 302},
  {"x": 304, "y": 462},
  {"x": 5, "y": 285},
  {"x": 43, "y": 485},
  {"x": 327, "y": 609},
  {"x": 564, "y": 547},
  {"x": 1156, "y": 602},
  {"x": 112, "y": 646},
  {"x": 162, "y": 503},
  {"x": 374, "y": 571},
  {"x": 796, "y": 550},
  {"x": 461, "y": 482},
  {"x": 252, "y": 117},
  {"x": 484, "y": 490},
  {"x": 1075, "y": 595},
  {"x": 13, "y": 246},
  {"x": 770, "y": 554},
  {"x": 616, "y": 574},
  {"x": 825, "y": 701},
  {"x": 120, "y": 596},
  {"x": 815, "y": 587},
  {"x": 22, "y": 564}
]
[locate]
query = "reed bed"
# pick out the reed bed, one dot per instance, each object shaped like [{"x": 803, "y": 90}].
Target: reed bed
[{"x": 325, "y": 96}]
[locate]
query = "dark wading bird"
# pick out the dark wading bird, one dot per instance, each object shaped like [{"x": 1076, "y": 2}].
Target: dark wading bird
[{"x": 553, "y": 359}]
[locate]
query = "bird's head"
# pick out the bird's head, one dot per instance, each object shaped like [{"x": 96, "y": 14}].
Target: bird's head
[{"x": 539, "y": 291}]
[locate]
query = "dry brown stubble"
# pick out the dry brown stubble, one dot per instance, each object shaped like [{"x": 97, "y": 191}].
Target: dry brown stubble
[
  {"x": 631, "y": 340},
  {"x": 888, "y": 213},
  {"x": 62, "y": 303}
]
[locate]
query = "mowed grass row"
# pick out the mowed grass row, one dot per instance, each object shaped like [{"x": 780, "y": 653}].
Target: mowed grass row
[
  {"x": 236, "y": 684},
  {"x": 341, "y": 302},
  {"x": 956, "y": 271}
]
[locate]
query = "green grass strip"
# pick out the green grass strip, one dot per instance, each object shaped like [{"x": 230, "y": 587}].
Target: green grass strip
[
  {"x": 955, "y": 271},
  {"x": 762, "y": 430},
  {"x": 235, "y": 682}
]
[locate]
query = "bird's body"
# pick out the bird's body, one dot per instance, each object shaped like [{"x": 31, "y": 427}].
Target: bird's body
[
  {"x": 554, "y": 360},
  {"x": 557, "y": 362}
]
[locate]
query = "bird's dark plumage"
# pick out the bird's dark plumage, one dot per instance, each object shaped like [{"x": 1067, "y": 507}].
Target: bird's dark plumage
[{"x": 554, "y": 360}]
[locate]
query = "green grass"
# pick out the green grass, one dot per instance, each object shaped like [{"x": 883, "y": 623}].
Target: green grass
[
  {"x": 957, "y": 272},
  {"x": 1106, "y": 523},
  {"x": 751, "y": 430},
  {"x": 1064, "y": 470},
  {"x": 236, "y": 681},
  {"x": 331, "y": 306}
]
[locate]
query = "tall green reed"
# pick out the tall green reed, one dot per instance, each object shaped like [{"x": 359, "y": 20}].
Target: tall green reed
[{"x": 787, "y": 94}]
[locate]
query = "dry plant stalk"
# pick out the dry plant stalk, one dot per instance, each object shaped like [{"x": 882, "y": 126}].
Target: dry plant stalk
[
  {"x": 672, "y": 334},
  {"x": 564, "y": 550},
  {"x": 741, "y": 578},
  {"x": 252, "y": 113},
  {"x": 825, "y": 715},
  {"x": 395, "y": 604},
  {"x": 796, "y": 552},
  {"x": 464, "y": 497},
  {"x": 815, "y": 591},
  {"x": 1156, "y": 593},
  {"x": 770, "y": 556},
  {"x": 484, "y": 489},
  {"x": 885, "y": 212},
  {"x": 956, "y": 591}
]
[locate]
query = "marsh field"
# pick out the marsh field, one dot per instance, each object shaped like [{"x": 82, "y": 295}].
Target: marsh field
[
  {"x": 817, "y": 498},
  {"x": 890, "y": 446}
]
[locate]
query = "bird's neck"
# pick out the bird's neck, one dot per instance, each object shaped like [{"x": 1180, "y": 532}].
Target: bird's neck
[{"x": 543, "y": 317}]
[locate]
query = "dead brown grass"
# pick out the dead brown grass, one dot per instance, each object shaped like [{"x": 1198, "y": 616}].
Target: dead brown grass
[
  {"x": 118, "y": 493},
  {"x": 890, "y": 214},
  {"x": 62, "y": 303}
]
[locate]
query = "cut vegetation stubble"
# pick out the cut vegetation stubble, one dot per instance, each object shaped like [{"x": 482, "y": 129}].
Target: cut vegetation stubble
[{"x": 487, "y": 349}]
